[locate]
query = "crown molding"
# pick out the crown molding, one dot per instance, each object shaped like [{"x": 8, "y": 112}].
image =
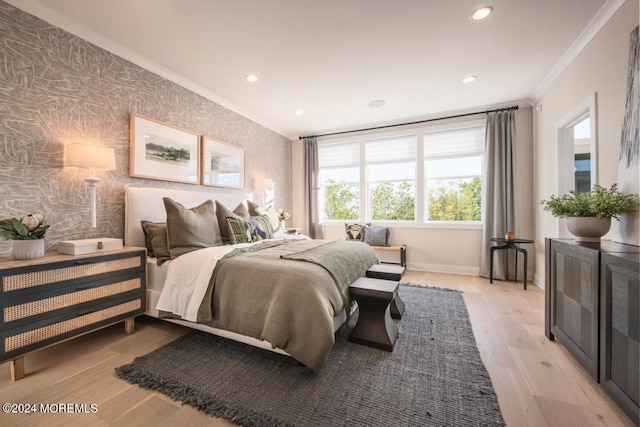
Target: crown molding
[
  {"x": 52, "y": 17},
  {"x": 602, "y": 17}
]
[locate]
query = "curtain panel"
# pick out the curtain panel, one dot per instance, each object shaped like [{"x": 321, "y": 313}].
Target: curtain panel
[
  {"x": 311, "y": 169},
  {"x": 498, "y": 192}
]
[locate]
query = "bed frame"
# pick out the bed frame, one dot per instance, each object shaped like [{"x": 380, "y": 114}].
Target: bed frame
[{"x": 143, "y": 203}]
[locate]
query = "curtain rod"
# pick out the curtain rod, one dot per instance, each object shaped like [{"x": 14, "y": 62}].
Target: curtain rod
[{"x": 496, "y": 110}]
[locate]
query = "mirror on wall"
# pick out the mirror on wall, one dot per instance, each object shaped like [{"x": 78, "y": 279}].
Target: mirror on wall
[
  {"x": 577, "y": 151},
  {"x": 582, "y": 155}
]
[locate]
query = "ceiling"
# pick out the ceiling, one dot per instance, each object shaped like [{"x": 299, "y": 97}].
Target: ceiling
[{"x": 331, "y": 58}]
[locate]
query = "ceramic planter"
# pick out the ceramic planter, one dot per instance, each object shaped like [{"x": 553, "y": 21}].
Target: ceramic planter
[
  {"x": 28, "y": 249},
  {"x": 588, "y": 229}
]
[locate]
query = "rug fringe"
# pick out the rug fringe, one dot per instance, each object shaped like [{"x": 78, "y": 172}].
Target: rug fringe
[
  {"x": 190, "y": 396},
  {"x": 416, "y": 285}
]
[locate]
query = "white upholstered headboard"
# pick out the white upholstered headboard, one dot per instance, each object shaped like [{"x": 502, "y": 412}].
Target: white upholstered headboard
[{"x": 143, "y": 203}]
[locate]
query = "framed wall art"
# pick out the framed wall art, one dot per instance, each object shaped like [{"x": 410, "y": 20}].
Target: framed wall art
[
  {"x": 222, "y": 164},
  {"x": 162, "y": 151}
]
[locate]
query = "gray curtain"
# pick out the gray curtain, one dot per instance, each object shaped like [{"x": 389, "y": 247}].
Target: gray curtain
[
  {"x": 311, "y": 168},
  {"x": 498, "y": 192}
]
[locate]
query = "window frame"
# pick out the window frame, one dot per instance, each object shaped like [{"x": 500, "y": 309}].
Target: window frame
[{"x": 419, "y": 182}]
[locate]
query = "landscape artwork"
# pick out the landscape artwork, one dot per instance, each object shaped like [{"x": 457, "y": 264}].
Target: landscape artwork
[
  {"x": 162, "y": 151},
  {"x": 222, "y": 164}
]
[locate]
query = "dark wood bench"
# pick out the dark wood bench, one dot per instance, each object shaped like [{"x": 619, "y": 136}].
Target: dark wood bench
[
  {"x": 374, "y": 328},
  {"x": 389, "y": 272}
]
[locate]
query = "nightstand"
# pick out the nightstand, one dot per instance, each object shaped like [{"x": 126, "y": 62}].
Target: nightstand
[{"x": 57, "y": 297}]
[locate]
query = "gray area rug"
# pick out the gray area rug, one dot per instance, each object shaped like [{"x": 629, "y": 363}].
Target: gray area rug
[{"x": 434, "y": 376}]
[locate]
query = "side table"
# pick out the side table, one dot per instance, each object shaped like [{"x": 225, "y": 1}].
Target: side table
[{"x": 510, "y": 244}]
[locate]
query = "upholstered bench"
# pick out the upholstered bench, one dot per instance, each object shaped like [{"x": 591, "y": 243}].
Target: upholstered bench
[
  {"x": 374, "y": 328},
  {"x": 389, "y": 272}
]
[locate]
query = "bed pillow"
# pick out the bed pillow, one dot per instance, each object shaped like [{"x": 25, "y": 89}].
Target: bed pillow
[
  {"x": 191, "y": 229},
  {"x": 256, "y": 210},
  {"x": 375, "y": 236},
  {"x": 222, "y": 213},
  {"x": 155, "y": 238},
  {"x": 353, "y": 231},
  {"x": 247, "y": 230}
]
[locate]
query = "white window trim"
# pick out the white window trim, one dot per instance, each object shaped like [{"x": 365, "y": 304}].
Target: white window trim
[{"x": 419, "y": 132}]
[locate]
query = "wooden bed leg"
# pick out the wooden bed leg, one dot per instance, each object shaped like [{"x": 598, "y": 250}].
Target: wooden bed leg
[
  {"x": 129, "y": 325},
  {"x": 17, "y": 368}
]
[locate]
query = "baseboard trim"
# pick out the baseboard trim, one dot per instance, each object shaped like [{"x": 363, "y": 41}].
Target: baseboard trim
[{"x": 457, "y": 269}]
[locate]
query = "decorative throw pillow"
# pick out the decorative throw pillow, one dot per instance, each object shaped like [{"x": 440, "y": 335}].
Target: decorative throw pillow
[
  {"x": 256, "y": 210},
  {"x": 353, "y": 231},
  {"x": 191, "y": 229},
  {"x": 247, "y": 230},
  {"x": 375, "y": 236},
  {"x": 155, "y": 239},
  {"x": 222, "y": 213}
]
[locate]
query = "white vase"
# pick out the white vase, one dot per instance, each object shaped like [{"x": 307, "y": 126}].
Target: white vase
[
  {"x": 28, "y": 249},
  {"x": 588, "y": 229}
]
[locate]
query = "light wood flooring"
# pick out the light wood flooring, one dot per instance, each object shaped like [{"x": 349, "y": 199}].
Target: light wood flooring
[{"x": 537, "y": 382}]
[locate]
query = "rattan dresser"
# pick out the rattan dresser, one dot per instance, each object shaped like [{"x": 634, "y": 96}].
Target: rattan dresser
[{"x": 58, "y": 297}]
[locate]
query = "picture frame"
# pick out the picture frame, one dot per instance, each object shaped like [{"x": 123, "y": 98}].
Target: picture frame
[
  {"x": 223, "y": 164},
  {"x": 162, "y": 151}
]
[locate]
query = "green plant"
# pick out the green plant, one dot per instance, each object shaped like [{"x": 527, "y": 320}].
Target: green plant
[
  {"x": 28, "y": 227},
  {"x": 599, "y": 202}
]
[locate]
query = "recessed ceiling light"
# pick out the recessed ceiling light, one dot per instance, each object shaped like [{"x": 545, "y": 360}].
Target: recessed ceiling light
[
  {"x": 469, "y": 79},
  {"x": 481, "y": 13},
  {"x": 299, "y": 112},
  {"x": 251, "y": 78},
  {"x": 377, "y": 103}
]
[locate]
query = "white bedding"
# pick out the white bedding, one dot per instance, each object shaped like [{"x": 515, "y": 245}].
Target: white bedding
[{"x": 187, "y": 280}]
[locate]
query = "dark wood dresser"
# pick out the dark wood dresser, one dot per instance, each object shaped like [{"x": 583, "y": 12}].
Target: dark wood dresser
[
  {"x": 592, "y": 306},
  {"x": 58, "y": 297}
]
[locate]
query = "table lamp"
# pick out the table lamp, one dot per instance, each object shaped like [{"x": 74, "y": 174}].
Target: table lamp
[{"x": 91, "y": 157}]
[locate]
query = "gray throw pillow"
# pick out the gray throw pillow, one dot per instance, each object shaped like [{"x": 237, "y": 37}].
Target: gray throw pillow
[
  {"x": 191, "y": 229},
  {"x": 222, "y": 213},
  {"x": 375, "y": 236},
  {"x": 155, "y": 238}
]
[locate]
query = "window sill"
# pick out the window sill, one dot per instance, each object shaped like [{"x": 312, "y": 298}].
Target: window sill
[{"x": 444, "y": 225}]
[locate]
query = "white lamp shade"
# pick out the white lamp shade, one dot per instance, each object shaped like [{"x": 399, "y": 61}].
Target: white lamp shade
[
  {"x": 261, "y": 183},
  {"x": 89, "y": 156}
]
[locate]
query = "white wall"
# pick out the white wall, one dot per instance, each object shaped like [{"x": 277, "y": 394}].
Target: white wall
[
  {"x": 601, "y": 67},
  {"x": 445, "y": 249}
]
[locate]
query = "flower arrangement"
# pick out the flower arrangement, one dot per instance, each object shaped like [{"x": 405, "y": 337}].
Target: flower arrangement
[
  {"x": 283, "y": 215},
  {"x": 28, "y": 227},
  {"x": 599, "y": 202}
]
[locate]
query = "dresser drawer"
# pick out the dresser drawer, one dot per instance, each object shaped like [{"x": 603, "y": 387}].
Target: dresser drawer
[
  {"x": 59, "y": 296},
  {"x": 31, "y": 308},
  {"x": 19, "y": 340},
  {"x": 23, "y": 280}
]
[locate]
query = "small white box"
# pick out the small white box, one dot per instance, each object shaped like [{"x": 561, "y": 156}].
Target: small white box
[{"x": 88, "y": 246}]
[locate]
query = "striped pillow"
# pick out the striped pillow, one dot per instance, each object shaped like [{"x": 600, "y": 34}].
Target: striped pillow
[{"x": 247, "y": 230}]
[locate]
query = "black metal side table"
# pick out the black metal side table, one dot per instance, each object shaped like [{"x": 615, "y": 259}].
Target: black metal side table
[{"x": 510, "y": 244}]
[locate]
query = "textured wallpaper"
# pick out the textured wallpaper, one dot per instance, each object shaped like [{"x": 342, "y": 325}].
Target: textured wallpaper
[{"x": 56, "y": 88}]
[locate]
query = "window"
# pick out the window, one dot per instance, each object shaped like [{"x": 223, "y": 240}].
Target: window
[
  {"x": 380, "y": 177},
  {"x": 340, "y": 181},
  {"x": 390, "y": 178},
  {"x": 453, "y": 174}
]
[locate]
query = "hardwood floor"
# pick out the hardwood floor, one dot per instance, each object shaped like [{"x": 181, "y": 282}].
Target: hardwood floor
[{"x": 537, "y": 382}]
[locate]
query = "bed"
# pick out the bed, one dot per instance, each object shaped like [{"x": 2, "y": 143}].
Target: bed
[{"x": 250, "y": 300}]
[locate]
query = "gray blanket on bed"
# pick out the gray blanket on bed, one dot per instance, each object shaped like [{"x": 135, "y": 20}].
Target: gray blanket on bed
[{"x": 286, "y": 292}]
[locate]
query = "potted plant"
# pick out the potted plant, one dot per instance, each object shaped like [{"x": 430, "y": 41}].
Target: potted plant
[
  {"x": 589, "y": 213},
  {"x": 27, "y": 234}
]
